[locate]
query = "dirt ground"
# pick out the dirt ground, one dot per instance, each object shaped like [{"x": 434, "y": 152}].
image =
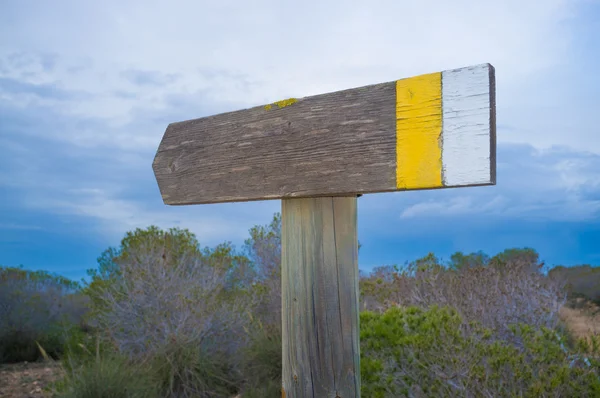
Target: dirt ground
[{"x": 27, "y": 380}]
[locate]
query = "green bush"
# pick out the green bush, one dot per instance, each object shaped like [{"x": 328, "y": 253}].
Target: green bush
[
  {"x": 19, "y": 346},
  {"x": 268, "y": 389},
  {"x": 84, "y": 347},
  {"x": 107, "y": 377},
  {"x": 417, "y": 352},
  {"x": 180, "y": 370},
  {"x": 93, "y": 368},
  {"x": 188, "y": 371},
  {"x": 262, "y": 360},
  {"x": 35, "y": 308},
  {"x": 583, "y": 281}
]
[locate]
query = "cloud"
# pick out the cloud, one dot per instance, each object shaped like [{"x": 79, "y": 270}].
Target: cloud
[
  {"x": 147, "y": 53},
  {"x": 456, "y": 206},
  {"x": 110, "y": 191},
  {"x": 88, "y": 88},
  {"x": 149, "y": 78},
  {"x": 12, "y": 88},
  {"x": 110, "y": 215},
  {"x": 560, "y": 185},
  {"x": 12, "y": 226}
]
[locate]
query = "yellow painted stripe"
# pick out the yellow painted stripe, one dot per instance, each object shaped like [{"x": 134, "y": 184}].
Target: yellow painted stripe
[{"x": 418, "y": 132}]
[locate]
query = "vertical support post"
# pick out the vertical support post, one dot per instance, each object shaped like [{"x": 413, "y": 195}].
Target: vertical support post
[{"x": 320, "y": 317}]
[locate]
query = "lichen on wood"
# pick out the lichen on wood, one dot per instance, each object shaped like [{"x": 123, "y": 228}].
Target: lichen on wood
[{"x": 282, "y": 103}]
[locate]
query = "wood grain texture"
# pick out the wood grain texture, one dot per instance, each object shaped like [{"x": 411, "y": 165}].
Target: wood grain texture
[
  {"x": 418, "y": 132},
  {"x": 337, "y": 144},
  {"x": 320, "y": 321},
  {"x": 468, "y": 96}
]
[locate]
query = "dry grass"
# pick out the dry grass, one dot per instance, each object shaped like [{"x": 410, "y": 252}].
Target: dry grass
[{"x": 582, "y": 318}]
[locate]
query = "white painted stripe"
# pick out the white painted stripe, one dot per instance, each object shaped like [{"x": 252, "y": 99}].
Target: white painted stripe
[{"x": 466, "y": 126}]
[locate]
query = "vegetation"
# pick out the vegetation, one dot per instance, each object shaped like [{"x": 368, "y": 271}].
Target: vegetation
[
  {"x": 428, "y": 353},
  {"x": 582, "y": 281},
  {"x": 163, "y": 316},
  {"x": 35, "y": 307}
]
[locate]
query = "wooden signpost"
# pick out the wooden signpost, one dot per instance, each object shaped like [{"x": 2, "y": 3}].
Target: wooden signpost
[{"x": 317, "y": 154}]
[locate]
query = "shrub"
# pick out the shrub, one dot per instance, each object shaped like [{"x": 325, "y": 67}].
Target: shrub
[
  {"x": 263, "y": 249},
  {"x": 187, "y": 370},
  {"x": 20, "y": 346},
  {"x": 510, "y": 291},
  {"x": 35, "y": 307},
  {"x": 420, "y": 353},
  {"x": 583, "y": 281},
  {"x": 262, "y": 358},
  {"x": 268, "y": 389},
  {"x": 163, "y": 301},
  {"x": 179, "y": 370},
  {"x": 107, "y": 376},
  {"x": 81, "y": 347}
]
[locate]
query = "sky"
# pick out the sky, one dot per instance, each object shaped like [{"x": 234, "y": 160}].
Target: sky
[{"x": 88, "y": 88}]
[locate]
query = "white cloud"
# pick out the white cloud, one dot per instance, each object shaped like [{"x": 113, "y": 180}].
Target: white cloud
[
  {"x": 245, "y": 54},
  {"x": 458, "y": 206},
  {"x": 107, "y": 77},
  {"x": 553, "y": 185},
  {"x": 22, "y": 227},
  {"x": 575, "y": 172},
  {"x": 112, "y": 215}
]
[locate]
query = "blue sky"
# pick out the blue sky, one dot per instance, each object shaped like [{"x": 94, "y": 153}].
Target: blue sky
[{"x": 88, "y": 88}]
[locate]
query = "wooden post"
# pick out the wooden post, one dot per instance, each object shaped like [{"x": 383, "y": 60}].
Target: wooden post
[
  {"x": 317, "y": 154},
  {"x": 320, "y": 325}
]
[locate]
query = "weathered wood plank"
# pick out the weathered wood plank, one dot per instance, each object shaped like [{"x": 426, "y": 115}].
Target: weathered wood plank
[
  {"x": 378, "y": 138},
  {"x": 468, "y": 111},
  {"x": 320, "y": 325}
]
